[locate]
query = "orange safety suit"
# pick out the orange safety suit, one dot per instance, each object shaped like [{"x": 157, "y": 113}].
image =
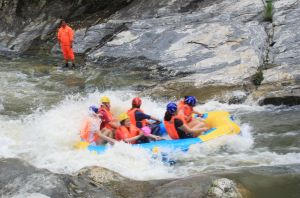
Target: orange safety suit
[
  {"x": 106, "y": 117},
  {"x": 65, "y": 37},
  {"x": 123, "y": 133},
  {"x": 88, "y": 130},
  {"x": 185, "y": 112}
]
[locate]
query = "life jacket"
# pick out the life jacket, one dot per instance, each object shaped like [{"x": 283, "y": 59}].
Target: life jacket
[
  {"x": 65, "y": 35},
  {"x": 170, "y": 127},
  {"x": 185, "y": 112},
  {"x": 109, "y": 115},
  {"x": 123, "y": 133},
  {"x": 180, "y": 104},
  {"x": 87, "y": 132},
  {"x": 131, "y": 115}
]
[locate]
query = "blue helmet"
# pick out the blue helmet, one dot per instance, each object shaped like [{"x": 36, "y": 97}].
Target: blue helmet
[
  {"x": 171, "y": 108},
  {"x": 93, "y": 108},
  {"x": 190, "y": 100}
]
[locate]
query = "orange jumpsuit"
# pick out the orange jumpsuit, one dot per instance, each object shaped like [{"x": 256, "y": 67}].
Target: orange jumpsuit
[{"x": 65, "y": 36}]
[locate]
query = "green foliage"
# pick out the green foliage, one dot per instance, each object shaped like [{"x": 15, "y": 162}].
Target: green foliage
[
  {"x": 258, "y": 77},
  {"x": 268, "y": 12}
]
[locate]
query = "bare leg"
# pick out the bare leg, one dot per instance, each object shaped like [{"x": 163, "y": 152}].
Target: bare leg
[{"x": 197, "y": 125}]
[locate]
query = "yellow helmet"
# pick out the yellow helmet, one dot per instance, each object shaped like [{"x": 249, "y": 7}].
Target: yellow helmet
[
  {"x": 123, "y": 116},
  {"x": 105, "y": 99}
]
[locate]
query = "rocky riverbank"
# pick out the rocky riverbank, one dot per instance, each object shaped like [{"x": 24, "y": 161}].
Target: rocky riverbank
[
  {"x": 213, "y": 49},
  {"x": 20, "y": 179}
]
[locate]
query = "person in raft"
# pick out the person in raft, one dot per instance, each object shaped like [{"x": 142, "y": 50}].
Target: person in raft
[
  {"x": 129, "y": 133},
  {"x": 90, "y": 130},
  {"x": 175, "y": 126},
  {"x": 65, "y": 37},
  {"x": 186, "y": 112},
  {"x": 108, "y": 121},
  {"x": 140, "y": 119}
]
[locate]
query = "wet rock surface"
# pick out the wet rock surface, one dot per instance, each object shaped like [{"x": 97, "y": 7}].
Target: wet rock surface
[
  {"x": 19, "y": 179},
  {"x": 31, "y": 25},
  {"x": 200, "y": 46}
]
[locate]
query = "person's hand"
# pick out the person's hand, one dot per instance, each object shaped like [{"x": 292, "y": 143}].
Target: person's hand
[
  {"x": 157, "y": 122},
  {"x": 71, "y": 45},
  {"x": 141, "y": 133},
  {"x": 158, "y": 138}
]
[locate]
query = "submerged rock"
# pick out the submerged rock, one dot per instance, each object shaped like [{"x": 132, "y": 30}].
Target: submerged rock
[{"x": 223, "y": 188}]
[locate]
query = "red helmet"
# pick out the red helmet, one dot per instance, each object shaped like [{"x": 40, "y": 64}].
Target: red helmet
[{"x": 136, "y": 101}]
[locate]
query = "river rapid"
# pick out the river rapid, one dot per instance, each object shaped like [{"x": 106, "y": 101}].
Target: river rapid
[{"x": 42, "y": 107}]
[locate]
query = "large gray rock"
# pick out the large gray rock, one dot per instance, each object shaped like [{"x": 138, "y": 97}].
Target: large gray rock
[
  {"x": 31, "y": 25},
  {"x": 211, "y": 45},
  {"x": 22, "y": 22},
  {"x": 281, "y": 84}
]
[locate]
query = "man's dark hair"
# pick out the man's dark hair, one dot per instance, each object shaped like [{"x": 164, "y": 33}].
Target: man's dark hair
[
  {"x": 62, "y": 20},
  {"x": 135, "y": 106}
]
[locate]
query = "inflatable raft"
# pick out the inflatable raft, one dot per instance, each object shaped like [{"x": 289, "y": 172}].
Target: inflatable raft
[{"x": 220, "y": 123}]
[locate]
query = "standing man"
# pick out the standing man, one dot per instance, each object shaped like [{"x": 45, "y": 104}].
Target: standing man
[{"x": 65, "y": 38}]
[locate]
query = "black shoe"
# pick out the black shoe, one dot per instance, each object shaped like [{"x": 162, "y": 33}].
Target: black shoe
[
  {"x": 73, "y": 65},
  {"x": 66, "y": 65}
]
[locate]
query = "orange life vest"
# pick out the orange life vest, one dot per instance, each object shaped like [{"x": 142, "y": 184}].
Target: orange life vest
[
  {"x": 109, "y": 115},
  {"x": 185, "y": 112},
  {"x": 170, "y": 127},
  {"x": 123, "y": 133},
  {"x": 180, "y": 104},
  {"x": 65, "y": 35},
  {"x": 131, "y": 115},
  {"x": 86, "y": 134}
]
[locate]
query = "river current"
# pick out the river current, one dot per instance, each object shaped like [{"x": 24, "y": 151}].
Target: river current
[{"x": 42, "y": 107}]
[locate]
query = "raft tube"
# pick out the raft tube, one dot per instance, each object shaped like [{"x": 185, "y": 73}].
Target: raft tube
[{"x": 220, "y": 123}]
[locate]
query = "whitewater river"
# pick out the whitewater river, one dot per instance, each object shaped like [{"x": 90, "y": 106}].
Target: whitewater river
[{"x": 42, "y": 106}]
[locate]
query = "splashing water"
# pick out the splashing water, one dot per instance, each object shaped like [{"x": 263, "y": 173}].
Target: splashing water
[{"x": 45, "y": 138}]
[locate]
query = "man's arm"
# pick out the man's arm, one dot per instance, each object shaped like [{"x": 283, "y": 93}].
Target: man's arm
[
  {"x": 104, "y": 137},
  {"x": 113, "y": 124},
  {"x": 197, "y": 112},
  {"x": 143, "y": 116},
  {"x": 154, "y": 118},
  {"x": 133, "y": 138}
]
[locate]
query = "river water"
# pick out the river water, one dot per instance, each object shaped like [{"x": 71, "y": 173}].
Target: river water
[{"x": 42, "y": 107}]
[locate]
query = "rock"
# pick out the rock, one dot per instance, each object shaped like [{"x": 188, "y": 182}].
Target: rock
[
  {"x": 25, "y": 24},
  {"x": 281, "y": 82},
  {"x": 30, "y": 195},
  {"x": 27, "y": 179},
  {"x": 200, "y": 49},
  {"x": 223, "y": 188},
  {"x": 236, "y": 97}
]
